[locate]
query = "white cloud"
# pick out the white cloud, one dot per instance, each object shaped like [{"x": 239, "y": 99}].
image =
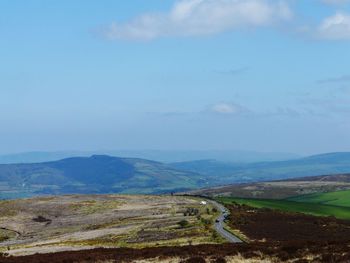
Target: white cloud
[
  {"x": 202, "y": 17},
  {"x": 227, "y": 108},
  {"x": 336, "y": 27}
]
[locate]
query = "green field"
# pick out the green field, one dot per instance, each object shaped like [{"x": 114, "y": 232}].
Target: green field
[
  {"x": 316, "y": 209},
  {"x": 340, "y": 198}
]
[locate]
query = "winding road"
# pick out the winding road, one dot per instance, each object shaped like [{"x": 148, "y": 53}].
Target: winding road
[{"x": 219, "y": 224}]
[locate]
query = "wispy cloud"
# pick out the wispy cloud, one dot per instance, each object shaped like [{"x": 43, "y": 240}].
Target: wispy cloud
[
  {"x": 341, "y": 79},
  {"x": 228, "y": 108},
  {"x": 201, "y": 17},
  {"x": 336, "y": 27}
]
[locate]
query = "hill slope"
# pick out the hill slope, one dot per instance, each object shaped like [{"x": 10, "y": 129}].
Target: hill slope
[
  {"x": 105, "y": 174},
  {"x": 281, "y": 189},
  {"x": 96, "y": 174},
  {"x": 226, "y": 173}
]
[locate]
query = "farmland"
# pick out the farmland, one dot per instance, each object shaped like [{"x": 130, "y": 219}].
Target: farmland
[
  {"x": 316, "y": 209},
  {"x": 339, "y": 198}
]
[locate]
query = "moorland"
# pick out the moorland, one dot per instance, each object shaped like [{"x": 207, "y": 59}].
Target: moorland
[{"x": 76, "y": 222}]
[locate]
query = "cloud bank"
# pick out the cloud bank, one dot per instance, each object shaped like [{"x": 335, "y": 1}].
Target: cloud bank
[{"x": 200, "y": 18}]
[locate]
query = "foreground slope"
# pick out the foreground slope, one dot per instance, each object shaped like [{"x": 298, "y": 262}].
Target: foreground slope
[
  {"x": 273, "y": 237},
  {"x": 76, "y": 222}
]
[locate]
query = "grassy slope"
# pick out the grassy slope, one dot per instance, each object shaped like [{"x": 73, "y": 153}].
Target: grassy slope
[
  {"x": 293, "y": 206},
  {"x": 339, "y": 198},
  {"x": 95, "y": 174}
]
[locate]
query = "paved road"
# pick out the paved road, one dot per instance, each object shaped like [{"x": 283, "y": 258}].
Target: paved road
[{"x": 219, "y": 224}]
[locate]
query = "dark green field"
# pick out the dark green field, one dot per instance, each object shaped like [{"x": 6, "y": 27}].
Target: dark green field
[
  {"x": 338, "y": 208},
  {"x": 340, "y": 198}
]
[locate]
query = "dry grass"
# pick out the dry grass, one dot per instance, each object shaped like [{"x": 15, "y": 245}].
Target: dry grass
[{"x": 103, "y": 221}]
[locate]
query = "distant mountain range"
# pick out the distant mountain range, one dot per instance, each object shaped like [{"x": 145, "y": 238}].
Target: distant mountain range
[
  {"x": 226, "y": 173},
  {"x": 106, "y": 174},
  {"x": 157, "y": 155}
]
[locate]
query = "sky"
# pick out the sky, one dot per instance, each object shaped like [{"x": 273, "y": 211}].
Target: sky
[{"x": 260, "y": 75}]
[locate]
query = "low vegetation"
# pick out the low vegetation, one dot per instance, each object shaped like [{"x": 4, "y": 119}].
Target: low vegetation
[
  {"x": 273, "y": 237},
  {"x": 51, "y": 224}
]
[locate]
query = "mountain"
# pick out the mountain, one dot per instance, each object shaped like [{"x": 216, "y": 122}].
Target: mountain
[
  {"x": 226, "y": 173},
  {"x": 106, "y": 174},
  {"x": 158, "y": 155},
  {"x": 95, "y": 174}
]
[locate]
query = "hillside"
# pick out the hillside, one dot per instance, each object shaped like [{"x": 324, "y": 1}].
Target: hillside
[
  {"x": 226, "y": 173},
  {"x": 281, "y": 189},
  {"x": 106, "y": 174},
  {"x": 70, "y": 222},
  {"x": 96, "y": 174}
]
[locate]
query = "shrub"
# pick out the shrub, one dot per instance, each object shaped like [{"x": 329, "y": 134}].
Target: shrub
[{"x": 183, "y": 223}]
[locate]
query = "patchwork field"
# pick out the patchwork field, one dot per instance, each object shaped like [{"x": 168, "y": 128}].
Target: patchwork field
[
  {"x": 292, "y": 206},
  {"x": 52, "y": 224}
]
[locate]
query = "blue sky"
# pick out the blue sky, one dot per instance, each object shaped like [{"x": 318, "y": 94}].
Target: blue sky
[{"x": 257, "y": 75}]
